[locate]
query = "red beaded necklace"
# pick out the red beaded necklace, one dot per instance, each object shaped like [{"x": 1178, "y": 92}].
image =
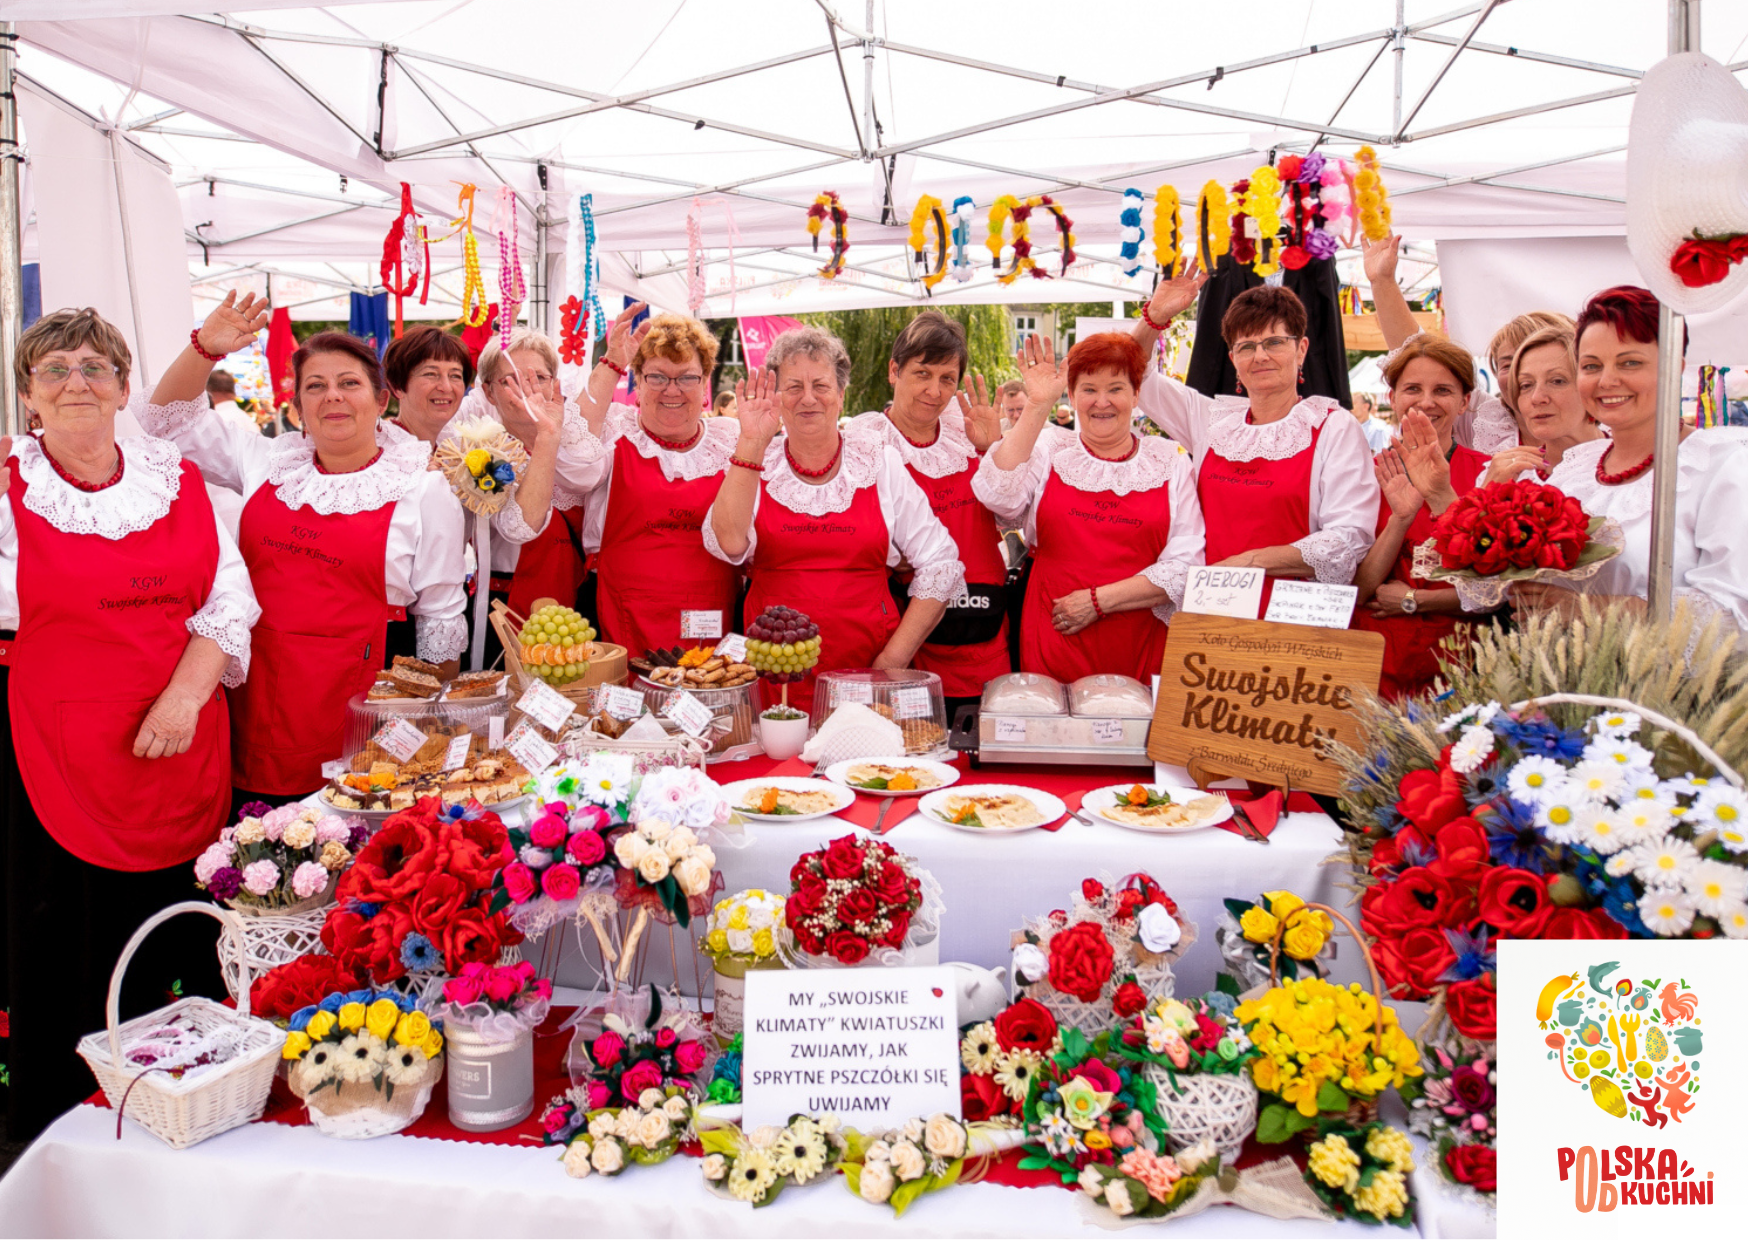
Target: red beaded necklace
[
  {"x": 670, "y": 444},
  {"x": 323, "y": 469},
  {"x": 1134, "y": 447},
  {"x": 89, "y": 487},
  {"x": 912, "y": 442},
  {"x": 814, "y": 473},
  {"x": 1626, "y": 475}
]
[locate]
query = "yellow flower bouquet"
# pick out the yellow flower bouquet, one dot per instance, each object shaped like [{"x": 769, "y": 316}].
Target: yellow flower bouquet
[
  {"x": 741, "y": 935},
  {"x": 1248, "y": 930},
  {"x": 364, "y": 1062}
]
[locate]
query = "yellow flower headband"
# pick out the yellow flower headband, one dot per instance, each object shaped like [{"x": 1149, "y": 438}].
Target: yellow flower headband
[
  {"x": 1262, "y": 202},
  {"x": 999, "y": 211},
  {"x": 928, "y": 208},
  {"x": 1371, "y": 196},
  {"x": 1167, "y": 231},
  {"x": 825, "y": 205},
  {"x": 1213, "y": 225}
]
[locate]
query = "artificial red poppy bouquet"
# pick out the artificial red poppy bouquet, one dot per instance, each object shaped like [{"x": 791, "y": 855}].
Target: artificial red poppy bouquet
[
  {"x": 1099, "y": 963},
  {"x": 417, "y": 899},
  {"x": 858, "y": 898},
  {"x": 300, "y": 983},
  {"x": 1516, "y": 531}
]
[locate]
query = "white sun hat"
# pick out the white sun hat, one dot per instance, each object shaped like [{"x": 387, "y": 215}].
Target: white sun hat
[{"x": 1687, "y": 172}]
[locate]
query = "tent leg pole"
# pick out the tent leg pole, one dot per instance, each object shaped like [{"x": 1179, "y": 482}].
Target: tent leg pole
[
  {"x": 537, "y": 307},
  {"x": 11, "y": 234},
  {"x": 1669, "y": 362}
]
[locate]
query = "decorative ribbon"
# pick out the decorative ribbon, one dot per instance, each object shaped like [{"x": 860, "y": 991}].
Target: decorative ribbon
[
  {"x": 629, "y": 952},
  {"x": 512, "y": 288},
  {"x": 482, "y": 589},
  {"x": 962, "y": 209},
  {"x": 1130, "y": 231},
  {"x": 405, "y": 253}
]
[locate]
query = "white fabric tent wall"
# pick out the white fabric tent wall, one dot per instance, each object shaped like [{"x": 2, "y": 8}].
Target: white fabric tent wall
[{"x": 108, "y": 229}]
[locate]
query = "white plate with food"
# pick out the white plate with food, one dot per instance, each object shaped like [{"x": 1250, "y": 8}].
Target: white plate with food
[
  {"x": 787, "y": 798},
  {"x": 377, "y": 816},
  {"x": 1163, "y": 810},
  {"x": 992, "y": 809},
  {"x": 878, "y": 776}
]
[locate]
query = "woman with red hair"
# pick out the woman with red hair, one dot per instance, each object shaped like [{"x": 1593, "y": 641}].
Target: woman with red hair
[
  {"x": 1617, "y": 381},
  {"x": 1111, "y": 516}
]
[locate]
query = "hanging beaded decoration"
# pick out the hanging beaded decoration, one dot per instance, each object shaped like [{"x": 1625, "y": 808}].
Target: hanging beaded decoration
[
  {"x": 591, "y": 322},
  {"x": 695, "y": 257},
  {"x": 1213, "y": 225},
  {"x": 573, "y": 349},
  {"x": 928, "y": 210},
  {"x": 473, "y": 296},
  {"x": 1168, "y": 232},
  {"x": 1130, "y": 232},
  {"x": 512, "y": 288},
  {"x": 961, "y": 216},
  {"x": 405, "y": 254},
  {"x": 827, "y": 206}
]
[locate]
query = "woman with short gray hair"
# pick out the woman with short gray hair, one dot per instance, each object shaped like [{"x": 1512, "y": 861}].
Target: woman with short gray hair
[{"x": 820, "y": 518}]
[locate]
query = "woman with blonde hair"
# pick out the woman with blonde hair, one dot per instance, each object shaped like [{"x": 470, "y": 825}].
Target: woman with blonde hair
[{"x": 1544, "y": 391}]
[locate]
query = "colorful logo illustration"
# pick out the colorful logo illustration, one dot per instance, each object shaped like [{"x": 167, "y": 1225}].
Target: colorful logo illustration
[{"x": 1633, "y": 1046}]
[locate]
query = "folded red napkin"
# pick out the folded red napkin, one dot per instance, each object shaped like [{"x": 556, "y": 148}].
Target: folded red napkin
[{"x": 793, "y": 767}]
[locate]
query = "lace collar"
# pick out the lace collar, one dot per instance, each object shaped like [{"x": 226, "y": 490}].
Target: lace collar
[
  {"x": 706, "y": 457},
  {"x": 1700, "y": 453},
  {"x": 292, "y": 471},
  {"x": 951, "y": 453},
  {"x": 859, "y": 468},
  {"x": 149, "y": 485},
  {"x": 1145, "y": 471},
  {"x": 1238, "y": 440}
]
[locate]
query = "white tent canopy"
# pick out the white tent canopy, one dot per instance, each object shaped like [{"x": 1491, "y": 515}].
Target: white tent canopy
[{"x": 1494, "y": 121}]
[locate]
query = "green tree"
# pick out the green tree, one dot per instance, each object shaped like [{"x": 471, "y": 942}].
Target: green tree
[{"x": 868, "y": 335}]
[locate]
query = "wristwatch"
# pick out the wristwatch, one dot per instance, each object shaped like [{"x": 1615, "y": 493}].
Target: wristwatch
[{"x": 1408, "y": 604}]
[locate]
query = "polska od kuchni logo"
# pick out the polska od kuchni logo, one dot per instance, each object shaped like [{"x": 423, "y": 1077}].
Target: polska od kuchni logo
[{"x": 1634, "y": 1047}]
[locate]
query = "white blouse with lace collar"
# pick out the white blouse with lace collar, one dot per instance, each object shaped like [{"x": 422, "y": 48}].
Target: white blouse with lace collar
[
  {"x": 1343, "y": 513},
  {"x": 1013, "y": 495},
  {"x": 706, "y": 457},
  {"x": 916, "y": 536},
  {"x": 151, "y": 481},
  {"x": 423, "y": 566},
  {"x": 951, "y": 453}
]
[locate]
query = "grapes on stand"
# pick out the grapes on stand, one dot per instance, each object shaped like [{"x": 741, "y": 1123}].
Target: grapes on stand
[
  {"x": 783, "y": 645},
  {"x": 555, "y": 644}
]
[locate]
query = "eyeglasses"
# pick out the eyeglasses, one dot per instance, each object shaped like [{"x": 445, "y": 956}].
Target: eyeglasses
[
  {"x": 538, "y": 378},
  {"x": 1272, "y": 344},
  {"x": 97, "y": 374},
  {"x": 659, "y": 383}
]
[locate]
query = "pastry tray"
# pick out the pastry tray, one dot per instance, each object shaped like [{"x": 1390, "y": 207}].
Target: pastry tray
[{"x": 1048, "y": 740}]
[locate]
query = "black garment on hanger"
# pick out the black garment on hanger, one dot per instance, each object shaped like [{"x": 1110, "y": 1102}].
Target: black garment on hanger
[{"x": 1315, "y": 284}]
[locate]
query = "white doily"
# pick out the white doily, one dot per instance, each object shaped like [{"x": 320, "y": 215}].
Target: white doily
[
  {"x": 299, "y": 484},
  {"x": 1234, "y": 438},
  {"x": 942, "y": 581},
  {"x": 167, "y": 421},
  {"x": 151, "y": 479},
  {"x": 860, "y": 467}
]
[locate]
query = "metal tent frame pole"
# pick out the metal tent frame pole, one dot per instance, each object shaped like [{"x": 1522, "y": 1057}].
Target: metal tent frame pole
[{"x": 11, "y": 234}]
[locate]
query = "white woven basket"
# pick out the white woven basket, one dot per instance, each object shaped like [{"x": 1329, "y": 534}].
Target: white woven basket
[
  {"x": 269, "y": 938},
  {"x": 1092, "y": 1019},
  {"x": 358, "y": 1110},
  {"x": 1218, "y": 1106},
  {"x": 185, "y": 1112}
]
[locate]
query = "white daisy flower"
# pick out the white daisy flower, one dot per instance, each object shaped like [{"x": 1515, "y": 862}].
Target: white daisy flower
[
  {"x": 1616, "y": 723},
  {"x": 1666, "y": 913},
  {"x": 1472, "y": 749},
  {"x": 1618, "y": 750},
  {"x": 1600, "y": 781},
  {"x": 1482, "y": 715},
  {"x": 1734, "y": 920},
  {"x": 1622, "y": 863},
  {"x": 1690, "y": 785},
  {"x": 1665, "y": 863},
  {"x": 1643, "y": 820},
  {"x": 979, "y": 1050},
  {"x": 1638, "y": 783},
  {"x": 1558, "y": 818},
  {"x": 1532, "y": 779},
  {"x": 1716, "y": 887},
  {"x": 1723, "y": 809},
  {"x": 1600, "y": 830}
]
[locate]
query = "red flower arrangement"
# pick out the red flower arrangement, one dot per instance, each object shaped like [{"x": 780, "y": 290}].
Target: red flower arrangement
[
  {"x": 300, "y": 983},
  {"x": 1700, "y": 261},
  {"x": 852, "y": 897},
  {"x": 417, "y": 897},
  {"x": 1119, "y": 940},
  {"x": 1512, "y": 525}
]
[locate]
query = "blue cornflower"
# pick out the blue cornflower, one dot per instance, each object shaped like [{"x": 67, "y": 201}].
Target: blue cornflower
[
  {"x": 418, "y": 954},
  {"x": 1414, "y": 853},
  {"x": 1475, "y": 955},
  {"x": 1378, "y": 767},
  {"x": 1484, "y": 784},
  {"x": 1540, "y": 736},
  {"x": 364, "y": 909},
  {"x": 1513, "y": 838},
  {"x": 1622, "y": 903},
  {"x": 1389, "y": 818}
]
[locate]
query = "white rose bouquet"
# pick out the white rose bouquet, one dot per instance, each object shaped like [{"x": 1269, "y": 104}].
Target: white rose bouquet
[
  {"x": 606, "y": 1140},
  {"x": 895, "y": 1168}
]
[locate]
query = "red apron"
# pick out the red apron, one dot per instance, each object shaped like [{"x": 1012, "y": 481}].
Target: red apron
[
  {"x": 652, "y": 563},
  {"x": 1085, "y": 539},
  {"x": 324, "y": 619},
  {"x": 964, "y": 670},
  {"x": 1411, "y": 643},
  {"x": 549, "y": 566},
  {"x": 102, "y": 626},
  {"x": 831, "y": 569},
  {"x": 1258, "y": 503}
]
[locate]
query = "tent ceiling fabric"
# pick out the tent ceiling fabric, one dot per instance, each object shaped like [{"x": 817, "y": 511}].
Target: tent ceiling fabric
[{"x": 1512, "y": 120}]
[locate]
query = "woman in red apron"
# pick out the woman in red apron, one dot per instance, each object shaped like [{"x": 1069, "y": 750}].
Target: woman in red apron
[
  {"x": 647, "y": 496},
  {"x": 1111, "y": 516},
  {"x": 940, "y": 436},
  {"x": 1421, "y": 475},
  {"x": 1284, "y": 486},
  {"x": 123, "y": 603},
  {"x": 822, "y": 517},
  {"x": 343, "y": 529}
]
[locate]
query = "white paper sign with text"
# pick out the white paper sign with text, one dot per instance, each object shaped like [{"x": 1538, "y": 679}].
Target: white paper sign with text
[
  {"x": 1215, "y": 591},
  {"x": 1313, "y": 603},
  {"x": 872, "y": 1046}
]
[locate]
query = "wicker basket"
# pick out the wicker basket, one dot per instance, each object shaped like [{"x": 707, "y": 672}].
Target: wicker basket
[
  {"x": 1218, "y": 1105},
  {"x": 185, "y": 1112},
  {"x": 607, "y": 662},
  {"x": 357, "y": 1109},
  {"x": 268, "y": 938}
]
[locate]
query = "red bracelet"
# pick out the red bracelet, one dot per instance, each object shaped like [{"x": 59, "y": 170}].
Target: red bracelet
[
  {"x": 615, "y": 366},
  {"x": 1097, "y": 610},
  {"x": 756, "y": 468},
  {"x": 1148, "y": 319},
  {"x": 194, "y": 339}
]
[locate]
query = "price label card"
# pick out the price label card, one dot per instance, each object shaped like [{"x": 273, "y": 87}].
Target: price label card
[
  {"x": 459, "y": 747},
  {"x": 495, "y": 732},
  {"x": 334, "y": 769},
  {"x": 912, "y": 703},
  {"x": 1010, "y": 731},
  {"x": 1215, "y": 591},
  {"x": 733, "y": 648},
  {"x": 546, "y": 706},
  {"x": 400, "y": 740},
  {"x": 878, "y": 1045},
  {"x": 701, "y": 624},
  {"x": 621, "y": 703},
  {"x": 859, "y": 691},
  {"x": 531, "y": 749},
  {"x": 687, "y": 711},
  {"x": 1313, "y": 603},
  {"x": 1107, "y": 731}
]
